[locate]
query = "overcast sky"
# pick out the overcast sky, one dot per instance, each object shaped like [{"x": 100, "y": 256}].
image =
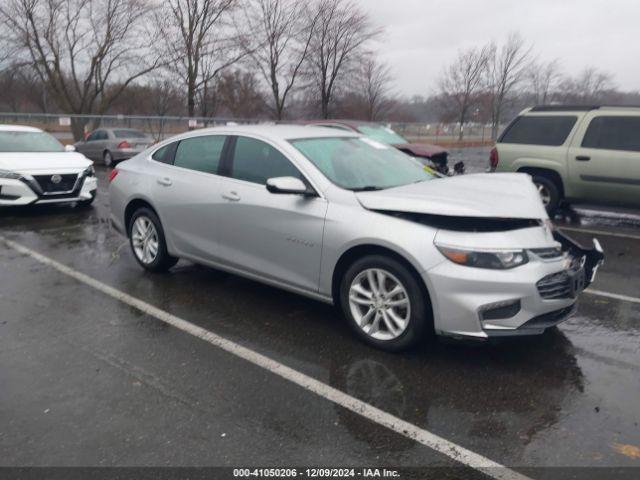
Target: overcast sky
[{"x": 422, "y": 36}]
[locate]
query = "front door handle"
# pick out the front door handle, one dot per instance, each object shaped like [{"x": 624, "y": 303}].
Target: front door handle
[
  {"x": 165, "y": 182},
  {"x": 583, "y": 158},
  {"x": 231, "y": 196}
]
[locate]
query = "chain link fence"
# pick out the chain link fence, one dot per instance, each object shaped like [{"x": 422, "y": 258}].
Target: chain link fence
[{"x": 161, "y": 127}]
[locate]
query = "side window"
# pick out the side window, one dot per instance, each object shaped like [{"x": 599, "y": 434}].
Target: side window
[
  {"x": 256, "y": 161},
  {"x": 92, "y": 136},
  {"x": 100, "y": 135},
  {"x": 613, "y": 133},
  {"x": 551, "y": 130},
  {"x": 160, "y": 155},
  {"x": 200, "y": 153}
]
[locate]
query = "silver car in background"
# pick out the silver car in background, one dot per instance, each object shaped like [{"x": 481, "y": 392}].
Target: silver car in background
[
  {"x": 347, "y": 220},
  {"x": 112, "y": 145}
]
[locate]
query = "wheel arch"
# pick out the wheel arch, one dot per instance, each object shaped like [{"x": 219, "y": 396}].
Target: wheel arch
[
  {"x": 549, "y": 173},
  {"x": 132, "y": 206},
  {"x": 358, "y": 251}
]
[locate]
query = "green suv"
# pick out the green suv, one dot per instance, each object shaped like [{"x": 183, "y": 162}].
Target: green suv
[{"x": 575, "y": 154}]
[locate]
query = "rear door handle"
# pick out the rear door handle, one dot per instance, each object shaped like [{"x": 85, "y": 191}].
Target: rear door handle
[
  {"x": 231, "y": 196},
  {"x": 166, "y": 182},
  {"x": 583, "y": 158}
]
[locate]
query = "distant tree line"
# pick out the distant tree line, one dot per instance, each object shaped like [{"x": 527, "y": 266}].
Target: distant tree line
[
  {"x": 260, "y": 59},
  {"x": 492, "y": 83}
]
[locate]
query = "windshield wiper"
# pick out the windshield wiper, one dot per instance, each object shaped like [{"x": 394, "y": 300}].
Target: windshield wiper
[{"x": 368, "y": 188}]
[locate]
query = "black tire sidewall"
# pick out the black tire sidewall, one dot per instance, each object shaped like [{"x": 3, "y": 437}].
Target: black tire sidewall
[
  {"x": 104, "y": 159},
  {"x": 163, "y": 260},
  {"x": 420, "y": 322},
  {"x": 554, "y": 192}
]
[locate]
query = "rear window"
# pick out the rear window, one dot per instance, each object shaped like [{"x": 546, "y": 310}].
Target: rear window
[
  {"x": 539, "y": 130},
  {"x": 613, "y": 133}
]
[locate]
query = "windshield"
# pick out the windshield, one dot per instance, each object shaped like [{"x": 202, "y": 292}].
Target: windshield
[
  {"x": 129, "y": 134},
  {"x": 358, "y": 163},
  {"x": 14, "y": 141},
  {"x": 382, "y": 134}
]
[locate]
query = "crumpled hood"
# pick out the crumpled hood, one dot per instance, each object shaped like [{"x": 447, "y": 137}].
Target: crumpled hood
[
  {"x": 421, "y": 149},
  {"x": 30, "y": 162},
  {"x": 490, "y": 195}
]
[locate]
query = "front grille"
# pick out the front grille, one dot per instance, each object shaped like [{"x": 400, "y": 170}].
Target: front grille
[
  {"x": 555, "y": 286},
  {"x": 48, "y": 186}
]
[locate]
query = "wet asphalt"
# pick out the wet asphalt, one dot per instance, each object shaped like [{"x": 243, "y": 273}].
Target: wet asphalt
[{"x": 86, "y": 380}]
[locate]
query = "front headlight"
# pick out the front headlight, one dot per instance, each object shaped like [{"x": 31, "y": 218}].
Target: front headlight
[
  {"x": 89, "y": 171},
  {"x": 10, "y": 174},
  {"x": 498, "y": 260}
]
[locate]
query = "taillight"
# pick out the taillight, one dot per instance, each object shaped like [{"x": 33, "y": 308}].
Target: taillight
[
  {"x": 113, "y": 174},
  {"x": 494, "y": 158},
  {"x": 124, "y": 144}
]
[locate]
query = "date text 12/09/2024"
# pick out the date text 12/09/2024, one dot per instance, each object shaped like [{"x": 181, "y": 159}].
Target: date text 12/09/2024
[{"x": 315, "y": 473}]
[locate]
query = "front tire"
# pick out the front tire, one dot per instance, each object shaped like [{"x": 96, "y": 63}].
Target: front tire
[
  {"x": 385, "y": 304},
  {"x": 147, "y": 241},
  {"x": 549, "y": 193}
]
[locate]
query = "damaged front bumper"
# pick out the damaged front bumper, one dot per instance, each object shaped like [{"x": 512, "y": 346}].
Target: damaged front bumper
[
  {"x": 481, "y": 304},
  {"x": 590, "y": 258}
]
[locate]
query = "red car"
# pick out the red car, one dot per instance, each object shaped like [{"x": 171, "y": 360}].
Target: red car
[{"x": 436, "y": 155}]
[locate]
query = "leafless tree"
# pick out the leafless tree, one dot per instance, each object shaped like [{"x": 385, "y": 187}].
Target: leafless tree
[
  {"x": 461, "y": 83},
  {"x": 164, "y": 99},
  {"x": 238, "y": 95},
  {"x": 342, "y": 30},
  {"x": 507, "y": 67},
  {"x": 589, "y": 87},
  {"x": 283, "y": 30},
  {"x": 78, "y": 48},
  {"x": 543, "y": 79},
  {"x": 200, "y": 40},
  {"x": 375, "y": 87}
]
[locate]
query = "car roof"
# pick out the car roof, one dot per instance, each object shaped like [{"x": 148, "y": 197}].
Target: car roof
[
  {"x": 580, "y": 108},
  {"x": 281, "y": 131},
  {"x": 18, "y": 128},
  {"x": 353, "y": 124}
]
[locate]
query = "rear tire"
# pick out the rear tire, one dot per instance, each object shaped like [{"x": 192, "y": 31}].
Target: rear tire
[
  {"x": 549, "y": 193},
  {"x": 147, "y": 241},
  {"x": 385, "y": 320},
  {"x": 107, "y": 158}
]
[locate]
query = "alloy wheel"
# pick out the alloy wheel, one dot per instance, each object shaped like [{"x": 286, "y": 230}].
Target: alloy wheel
[
  {"x": 144, "y": 239},
  {"x": 379, "y": 304},
  {"x": 545, "y": 194}
]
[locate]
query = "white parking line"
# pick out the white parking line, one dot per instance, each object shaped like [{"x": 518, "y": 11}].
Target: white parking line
[
  {"x": 601, "y": 232},
  {"x": 615, "y": 296},
  {"x": 455, "y": 452}
]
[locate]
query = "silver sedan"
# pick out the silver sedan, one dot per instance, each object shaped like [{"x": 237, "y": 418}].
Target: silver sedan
[
  {"x": 112, "y": 145},
  {"x": 347, "y": 220}
]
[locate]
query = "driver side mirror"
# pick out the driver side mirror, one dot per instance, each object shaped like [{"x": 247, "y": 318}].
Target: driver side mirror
[
  {"x": 69, "y": 148},
  {"x": 287, "y": 185}
]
